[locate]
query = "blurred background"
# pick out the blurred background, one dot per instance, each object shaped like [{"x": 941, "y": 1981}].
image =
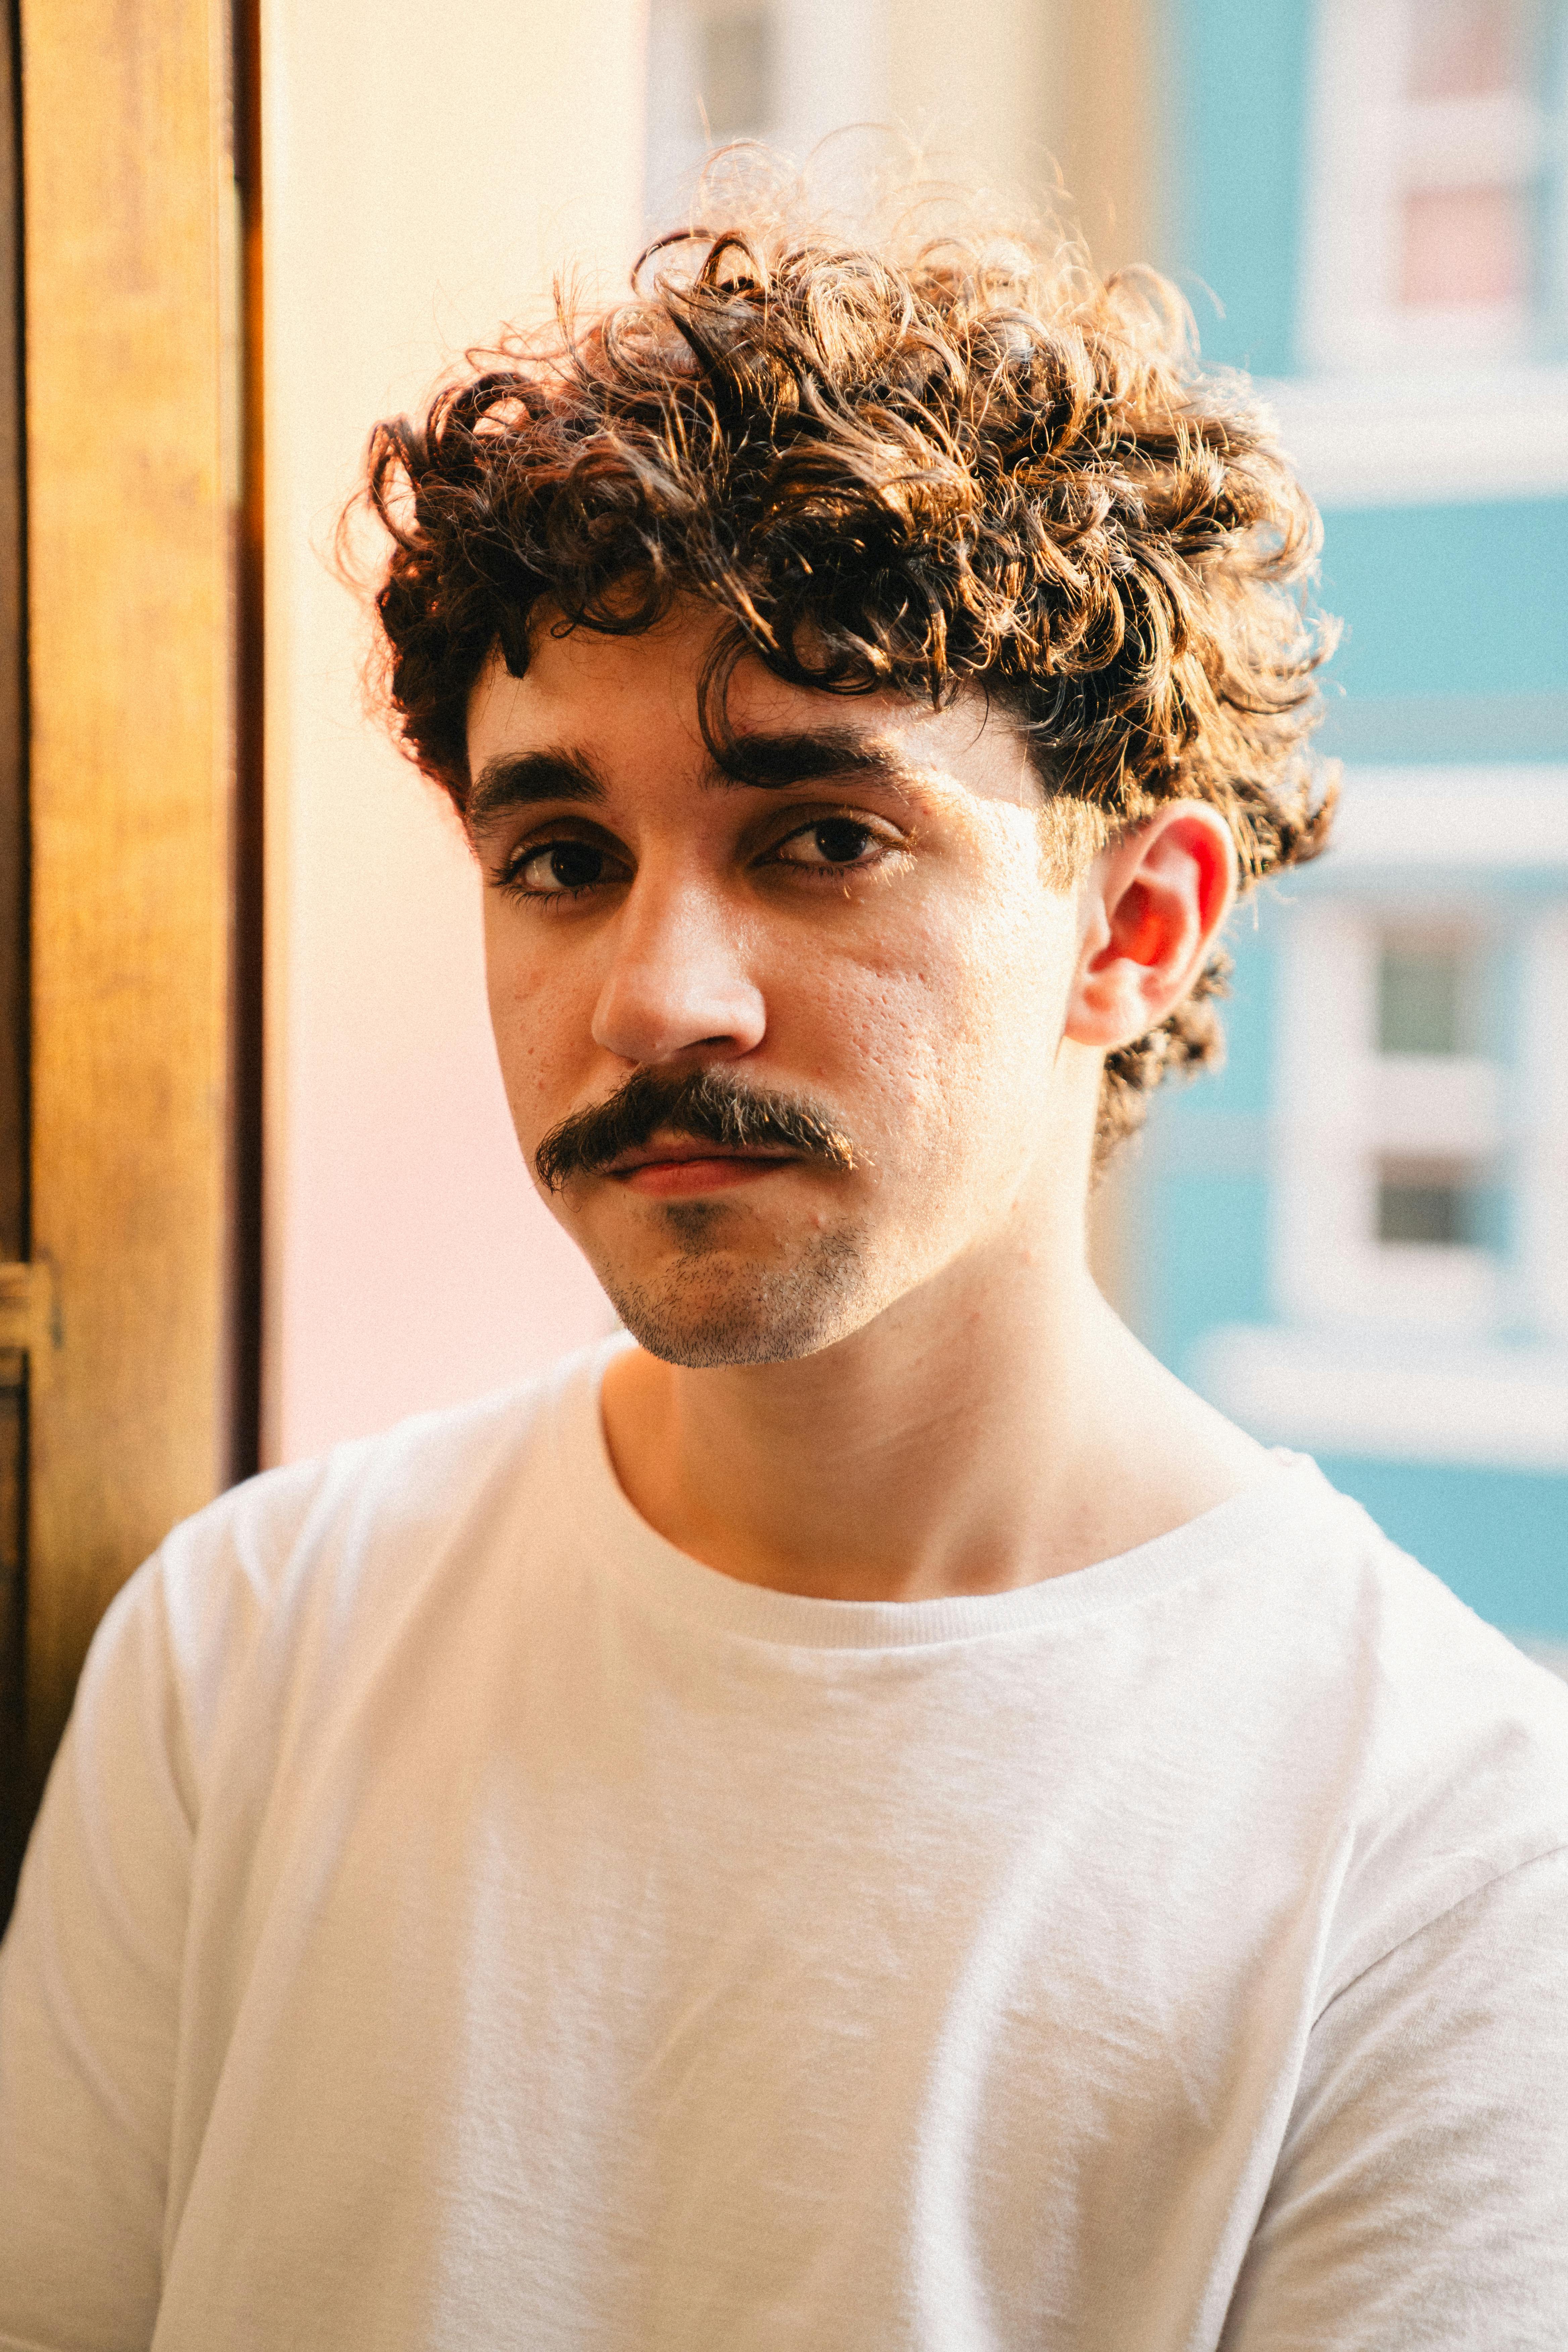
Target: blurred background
[{"x": 258, "y": 1187}]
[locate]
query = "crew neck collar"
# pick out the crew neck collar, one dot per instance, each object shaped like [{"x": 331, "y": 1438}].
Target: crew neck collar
[{"x": 1278, "y": 1517}]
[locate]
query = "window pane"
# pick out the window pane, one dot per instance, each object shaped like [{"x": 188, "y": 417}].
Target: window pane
[
  {"x": 1420, "y": 989},
  {"x": 1433, "y": 1201},
  {"x": 1461, "y": 246},
  {"x": 1465, "y": 48},
  {"x": 736, "y": 74}
]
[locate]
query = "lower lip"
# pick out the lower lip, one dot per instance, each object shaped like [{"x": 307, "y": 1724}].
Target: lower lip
[{"x": 671, "y": 1179}]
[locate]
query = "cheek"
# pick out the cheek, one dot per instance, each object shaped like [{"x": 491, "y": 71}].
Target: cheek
[
  {"x": 950, "y": 1040},
  {"x": 536, "y": 1015}
]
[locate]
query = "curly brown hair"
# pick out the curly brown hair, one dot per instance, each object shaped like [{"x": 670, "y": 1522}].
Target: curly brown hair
[{"x": 974, "y": 463}]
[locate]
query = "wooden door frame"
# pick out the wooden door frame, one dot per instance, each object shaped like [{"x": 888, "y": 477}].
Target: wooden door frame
[
  {"x": 15, "y": 1053},
  {"x": 142, "y": 247}
]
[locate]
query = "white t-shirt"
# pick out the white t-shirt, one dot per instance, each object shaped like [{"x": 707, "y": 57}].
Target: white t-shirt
[{"x": 459, "y": 1920}]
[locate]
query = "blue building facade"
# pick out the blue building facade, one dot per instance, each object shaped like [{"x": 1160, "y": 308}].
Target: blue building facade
[{"x": 1355, "y": 1240}]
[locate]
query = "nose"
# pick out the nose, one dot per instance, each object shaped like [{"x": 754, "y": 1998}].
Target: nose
[{"x": 680, "y": 977}]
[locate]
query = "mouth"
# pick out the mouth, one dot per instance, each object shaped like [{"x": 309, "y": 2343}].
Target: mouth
[{"x": 681, "y": 1165}]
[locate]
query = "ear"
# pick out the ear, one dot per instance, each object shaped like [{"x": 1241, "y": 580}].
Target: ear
[{"x": 1151, "y": 905}]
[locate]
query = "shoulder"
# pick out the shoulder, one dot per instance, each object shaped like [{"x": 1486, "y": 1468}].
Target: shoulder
[
  {"x": 427, "y": 1474},
  {"x": 1446, "y": 1748},
  {"x": 303, "y": 1561},
  {"x": 1443, "y": 1681}
]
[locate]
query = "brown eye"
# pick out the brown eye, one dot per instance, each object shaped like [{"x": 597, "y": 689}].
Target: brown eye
[
  {"x": 562, "y": 866},
  {"x": 832, "y": 840}
]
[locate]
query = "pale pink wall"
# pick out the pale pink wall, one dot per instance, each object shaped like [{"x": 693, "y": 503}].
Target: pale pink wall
[{"x": 425, "y": 169}]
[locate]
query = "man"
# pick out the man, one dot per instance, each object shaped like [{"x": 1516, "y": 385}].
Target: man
[{"x": 863, "y": 1815}]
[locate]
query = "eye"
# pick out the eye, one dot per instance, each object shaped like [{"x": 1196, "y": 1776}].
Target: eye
[
  {"x": 554, "y": 869},
  {"x": 832, "y": 844}
]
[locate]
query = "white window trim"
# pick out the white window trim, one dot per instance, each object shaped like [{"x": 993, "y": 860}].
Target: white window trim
[
  {"x": 1366, "y": 143},
  {"x": 1484, "y": 1406},
  {"x": 1342, "y": 1104},
  {"x": 1400, "y": 408},
  {"x": 1404, "y": 1355},
  {"x": 1403, "y": 439},
  {"x": 1542, "y": 1137},
  {"x": 1468, "y": 819}
]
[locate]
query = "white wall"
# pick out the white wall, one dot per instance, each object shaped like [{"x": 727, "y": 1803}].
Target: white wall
[{"x": 424, "y": 170}]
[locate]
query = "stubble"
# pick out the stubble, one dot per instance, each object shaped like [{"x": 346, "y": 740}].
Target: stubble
[{"x": 709, "y": 1305}]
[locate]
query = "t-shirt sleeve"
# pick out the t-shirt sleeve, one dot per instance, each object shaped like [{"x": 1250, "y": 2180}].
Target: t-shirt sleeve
[
  {"x": 90, "y": 1977},
  {"x": 1421, "y": 2198}
]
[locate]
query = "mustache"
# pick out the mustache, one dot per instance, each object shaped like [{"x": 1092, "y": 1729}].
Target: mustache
[{"x": 709, "y": 1105}]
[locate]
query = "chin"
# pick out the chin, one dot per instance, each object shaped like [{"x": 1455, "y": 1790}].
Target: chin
[{"x": 716, "y": 1308}]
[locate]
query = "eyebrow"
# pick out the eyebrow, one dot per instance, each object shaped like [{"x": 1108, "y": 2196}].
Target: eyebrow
[
  {"x": 762, "y": 762},
  {"x": 524, "y": 779},
  {"x": 814, "y": 755}
]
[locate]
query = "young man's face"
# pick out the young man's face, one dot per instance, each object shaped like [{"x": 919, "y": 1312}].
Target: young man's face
[{"x": 866, "y": 933}]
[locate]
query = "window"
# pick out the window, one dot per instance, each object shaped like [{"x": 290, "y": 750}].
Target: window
[
  {"x": 1461, "y": 247},
  {"x": 1410, "y": 1167},
  {"x": 1423, "y": 987},
  {"x": 1431, "y": 1203},
  {"x": 1465, "y": 48},
  {"x": 1470, "y": 134},
  {"x": 1439, "y": 181},
  {"x": 1418, "y": 1191},
  {"x": 1392, "y": 1131}
]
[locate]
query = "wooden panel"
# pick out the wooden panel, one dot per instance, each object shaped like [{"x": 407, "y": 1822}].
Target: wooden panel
[
  {"x": 15, "y": 1793},
  {"x": 13, "y": 761},
  {"x": 132, "y": 435}
]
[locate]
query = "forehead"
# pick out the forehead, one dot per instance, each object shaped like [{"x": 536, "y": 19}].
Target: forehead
[{"x": 624, "y": 704}]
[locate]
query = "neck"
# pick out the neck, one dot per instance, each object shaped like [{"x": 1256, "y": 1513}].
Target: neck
[{"x": 995, "y": 1427}]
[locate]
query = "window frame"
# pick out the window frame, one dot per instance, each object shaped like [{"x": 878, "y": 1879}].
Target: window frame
[{"x": 1367, "y": 144}]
